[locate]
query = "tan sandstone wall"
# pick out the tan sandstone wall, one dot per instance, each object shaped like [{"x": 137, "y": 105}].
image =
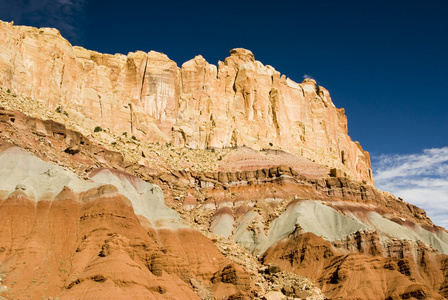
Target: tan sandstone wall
[{"x": 240, "y": 102}]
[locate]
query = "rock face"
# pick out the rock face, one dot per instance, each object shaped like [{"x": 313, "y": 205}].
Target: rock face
[
  {"x": 103, "y": 214},
  {"x": 112, "y": 236},
  {"x": 239, "y": 103},
  {"x": 354, "y": 241}
]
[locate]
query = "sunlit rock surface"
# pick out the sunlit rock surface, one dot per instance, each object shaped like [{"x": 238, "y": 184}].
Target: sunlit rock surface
[
  {"x": 240, "y": 102},
  {"x": 126, "y": 176}
]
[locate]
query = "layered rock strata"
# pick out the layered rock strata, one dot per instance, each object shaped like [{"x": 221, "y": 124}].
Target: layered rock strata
[
  {"x": 258, "y": 208},
  {"x": 103, "y": 179},
  {"x": 355, "y": 242},
  {"x": 111, "y": 236},
  {"x": 102, "y": 213},
  {"x": 239, "y": 103}
]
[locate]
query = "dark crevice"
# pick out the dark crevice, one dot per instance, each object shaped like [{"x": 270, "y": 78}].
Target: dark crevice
[
  {"x": 143, "y": 79},
  {"x": 71, "y": 151}
]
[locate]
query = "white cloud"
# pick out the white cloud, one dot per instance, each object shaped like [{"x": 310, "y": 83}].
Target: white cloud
[
  {"x": 65, "y": 15},
  {"x": 306, "y": 76},
  {"x": 420, "y": 179}
]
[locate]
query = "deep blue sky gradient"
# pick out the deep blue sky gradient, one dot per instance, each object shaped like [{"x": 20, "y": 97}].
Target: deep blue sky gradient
[{"x": 385, "y": 62}]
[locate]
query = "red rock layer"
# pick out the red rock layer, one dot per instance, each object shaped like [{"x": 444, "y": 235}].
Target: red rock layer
[
  {"x": 99, "y": 249},
  {"x": 362, "y": 276},
  {"x": 95, "y": 245}
]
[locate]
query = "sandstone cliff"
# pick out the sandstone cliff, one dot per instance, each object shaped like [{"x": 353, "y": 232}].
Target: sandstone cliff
[
  {"x": 198, "y": 214},
  {"x": 79, "y": 225},
  {"x": 239, "y": 103},
  {"x": 259, "y": 219}
]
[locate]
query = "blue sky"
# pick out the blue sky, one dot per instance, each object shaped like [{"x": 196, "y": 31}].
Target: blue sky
[
  {"x": 419, "y": 178},
  {"x": 385, "y": 62}
]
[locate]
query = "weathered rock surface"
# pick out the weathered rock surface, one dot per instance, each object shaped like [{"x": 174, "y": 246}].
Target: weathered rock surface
[
  {"x": 62, "y": 236},
  {"x": 240, "y": 102},
  {"x": 354, "y": 241},
  {"x": 284, "y": 208},
  {"x": 118, "y": 212},
  {"x": 418, "y": 273}
]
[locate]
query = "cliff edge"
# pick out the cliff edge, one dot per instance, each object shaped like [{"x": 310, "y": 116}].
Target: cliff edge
[{"x": 240, "y": 102}]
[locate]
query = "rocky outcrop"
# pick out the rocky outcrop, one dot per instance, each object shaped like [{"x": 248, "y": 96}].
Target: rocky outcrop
[
  {"x": 119, "y": 180},
  {"x": 111, "y": 236},
  {"x": 362, "y": 276},
  {"x": 239, "y": 103},
  {"x": 350, "y": 238}
]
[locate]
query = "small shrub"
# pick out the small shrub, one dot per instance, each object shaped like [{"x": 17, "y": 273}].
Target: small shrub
[
  {"x": 133, "y": 137},
  {"x": 125, "y": 134},
  {"x": 59, "y": 109},
  {"x": 65, "y": 113},
  {"x": 365, "y": 182},
  {"x": 270, "y": 144},
  {"x": 8, "y": 91},
  {"x": 97, "y": 129}
]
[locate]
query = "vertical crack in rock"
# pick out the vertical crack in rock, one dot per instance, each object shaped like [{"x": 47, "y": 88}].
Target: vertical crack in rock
[
  {"x": 143, "y": 78},
  {"x": 234, "y": 81},
  {"x": 204, "y": 78},
  {"x": 101, "y": 110},
  {"x": 132, "y": 125},
  {"x": 62, "y": 77},
  {"x": 273, "y": 97},
  {"x": 141, "y": 94}
]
